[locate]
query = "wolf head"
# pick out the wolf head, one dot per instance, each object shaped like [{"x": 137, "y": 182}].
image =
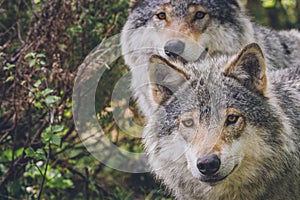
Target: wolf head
[
  {"x": 219, "y": 9},
  {"x": 191, "y": 29},
  {"x": 215, "y": 115}
]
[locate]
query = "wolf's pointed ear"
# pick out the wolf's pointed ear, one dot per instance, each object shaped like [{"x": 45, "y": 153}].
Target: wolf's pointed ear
[
  {"x": 165, "y": 78},
  {"x": 249, "y": 68}
]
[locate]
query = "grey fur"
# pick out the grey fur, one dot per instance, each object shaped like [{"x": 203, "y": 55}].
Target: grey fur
[
  {"x": 227, "y": 30},
  {"x": 266, "y": 150}
]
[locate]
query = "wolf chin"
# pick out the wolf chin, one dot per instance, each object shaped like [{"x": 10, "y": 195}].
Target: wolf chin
[
  {"x": 224, "y": 128},
  {"x": 194, "y": 30}
]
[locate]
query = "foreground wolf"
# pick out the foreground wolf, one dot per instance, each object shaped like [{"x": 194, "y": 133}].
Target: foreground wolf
[
  {"x": 194, "y": 30},
  {"x": 225, "y": 129}
]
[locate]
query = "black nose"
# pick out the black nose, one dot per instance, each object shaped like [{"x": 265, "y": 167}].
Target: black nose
[
  {"x": 209, "y": 165},
  {"x": 174, "y": 47}
]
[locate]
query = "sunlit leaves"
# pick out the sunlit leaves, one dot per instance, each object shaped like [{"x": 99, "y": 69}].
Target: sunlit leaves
[
  {"x": 38, "y": 154},
  {"x": 10, "y": 69},
  {"x": 43, "y": 96},
  {"x": 285, "y": 3},
  {"x": 36, "y": 60},
  {"x": 51, "y": 135}
]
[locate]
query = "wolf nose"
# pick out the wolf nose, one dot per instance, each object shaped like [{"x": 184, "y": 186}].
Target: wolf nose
[
  {"x": 209, "y": 165},
  {"x": 174, "y": 47}
]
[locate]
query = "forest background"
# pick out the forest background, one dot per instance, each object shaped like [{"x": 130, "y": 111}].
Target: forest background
[{"x": 42, "y": 44}]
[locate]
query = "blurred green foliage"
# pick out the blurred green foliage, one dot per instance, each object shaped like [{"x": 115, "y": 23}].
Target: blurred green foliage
[
  {"x": 278, "y": 14},
  {"x": 42, "y": 43}
]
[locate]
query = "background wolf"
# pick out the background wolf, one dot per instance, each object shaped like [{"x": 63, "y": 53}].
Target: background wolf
[
  {"x": 195, "y": 29},
  {"x": 230, "y": 131}
]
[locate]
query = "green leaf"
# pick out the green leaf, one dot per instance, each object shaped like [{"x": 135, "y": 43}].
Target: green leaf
[
  {"x": 30, "y": 170},
  {"x": 41, "y": 55},
  {"x": 60, "y": 182},
  {"x": 47, "y": 91},
  {"x": 68, "y": 113},
  {"x": 6, "y": 155},
  {"x": 47, "y": 135},
  {"x": 38, "y": 105},
  {"x": 38, "y": 83},
  {"x": 9, "y": 67},
  {"x": 51, "y": 100},
  {"x": 56, "y": 140},
  {"x": 32, "y": 62},
  {"x": 57, "y": 128},
  {"x": 67, "y": 183},
  {"x": 42, "y": 62},
  {"x": 289, "y": 3},
  {"x": 10, "y": 78},
  {"x": 48, "y": 129},
  {"x": 29, "y": 152},
  {"x": 268, "y": 3},
  {"x": 40, "y": 154},
  {"x": 29, "y": 55},
  {"x": 19, "y": 152}
]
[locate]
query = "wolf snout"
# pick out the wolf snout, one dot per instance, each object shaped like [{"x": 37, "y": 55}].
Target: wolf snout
[
  {"x": 209, "y": 164},
  {"x": 174, "y": 48}
]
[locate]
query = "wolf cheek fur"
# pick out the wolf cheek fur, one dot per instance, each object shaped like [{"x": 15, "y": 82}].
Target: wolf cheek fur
[
  {"x": 193, "y": 29},
  {"x": 225, "y": 129}
]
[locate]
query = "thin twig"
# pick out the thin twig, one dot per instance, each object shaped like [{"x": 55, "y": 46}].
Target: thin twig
[
  {"x": 45, "y": 173},
  {"x": 19, "y": 32},
  {"x": 87, "y": 193}
]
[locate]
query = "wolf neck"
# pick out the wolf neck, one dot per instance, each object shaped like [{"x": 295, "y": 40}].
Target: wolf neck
[
  {"x": 236, "y": 36},
  {"x": 275, "y": 45},
  {"x": 284, "y": 96}
]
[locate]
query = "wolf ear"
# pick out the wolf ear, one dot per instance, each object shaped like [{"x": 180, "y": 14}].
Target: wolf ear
[
  {"x": 165, "y": 78},
  {"x": 249, "y": 68}
]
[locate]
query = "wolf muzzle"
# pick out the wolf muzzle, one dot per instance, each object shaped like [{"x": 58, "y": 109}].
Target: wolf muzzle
[
  {"x": 208, "y": 165},
  {"x": 174, "y": 48}
]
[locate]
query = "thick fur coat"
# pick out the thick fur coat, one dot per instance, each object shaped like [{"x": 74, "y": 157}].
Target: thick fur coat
[
  {"x": 228, "y": 110},
  {"x": 200, "y": 29}
]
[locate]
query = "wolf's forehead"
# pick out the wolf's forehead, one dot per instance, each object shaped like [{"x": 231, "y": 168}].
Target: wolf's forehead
[
  {"x": 211, "y": 5},
  {"x": 202, "y": 95},
  {"x": 208, "y": 72},
  {"x": 219, "y": 9},
  {"x": 209, "y": 85},
  {"x": 181, "y": 6}
]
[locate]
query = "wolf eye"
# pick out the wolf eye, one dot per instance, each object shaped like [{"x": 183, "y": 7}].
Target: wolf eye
[
  {"x": 188, "y": 123},
  {"x": 199, "y": 15},
  {"x": 161, "y": 16},
  {"x": 231, "y": 119}
]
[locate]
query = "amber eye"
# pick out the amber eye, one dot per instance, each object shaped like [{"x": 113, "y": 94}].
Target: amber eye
[
  {"x": 161, "y": 16},
  {"x": 199, "y": 15},
  {"x": 188, "y": 123},
  {"x": 231, "y": 119}
]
